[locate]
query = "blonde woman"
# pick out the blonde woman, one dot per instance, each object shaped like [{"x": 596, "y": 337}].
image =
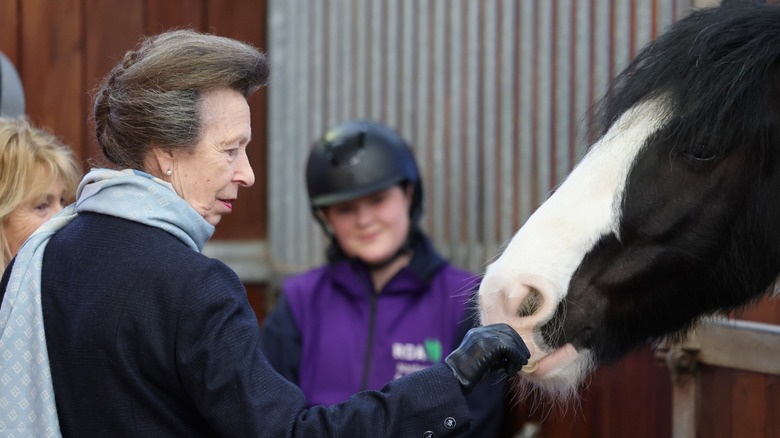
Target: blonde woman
[{"x": 38, "y": 177}]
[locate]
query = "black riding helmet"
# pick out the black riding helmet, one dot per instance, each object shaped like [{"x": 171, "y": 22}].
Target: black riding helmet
[{"x": 358, "y": 158}]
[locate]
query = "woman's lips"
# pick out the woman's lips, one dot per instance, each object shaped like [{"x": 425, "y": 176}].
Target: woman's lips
[
  {"x": 227, "y": 204},
  {"x": 368, "y": 238}
]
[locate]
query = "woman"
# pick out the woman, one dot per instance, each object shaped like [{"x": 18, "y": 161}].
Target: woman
[
  {"x": 145, "y": 336},
  {"x": 394, "y": 306},
  {"x": 38, "y": 176}
]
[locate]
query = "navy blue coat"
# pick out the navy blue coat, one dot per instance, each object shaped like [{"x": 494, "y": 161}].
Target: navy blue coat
[{"x": 149, "y": 338}]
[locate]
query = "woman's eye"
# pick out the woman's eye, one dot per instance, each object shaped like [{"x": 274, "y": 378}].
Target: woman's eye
[
  {"x": 232, "y": 153},
  {"x": 42, "y": 207},
  {"x": 344, "y": 209}
]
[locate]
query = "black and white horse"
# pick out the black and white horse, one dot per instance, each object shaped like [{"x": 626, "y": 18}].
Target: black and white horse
[{"x": 672, "y": 215}]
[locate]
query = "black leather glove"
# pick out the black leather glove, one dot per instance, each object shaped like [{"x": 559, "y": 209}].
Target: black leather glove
[{"x": 484, "y": 350}]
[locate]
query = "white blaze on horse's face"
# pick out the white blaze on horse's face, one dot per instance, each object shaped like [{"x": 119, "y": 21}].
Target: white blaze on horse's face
[{"x": 524, "y": 286}]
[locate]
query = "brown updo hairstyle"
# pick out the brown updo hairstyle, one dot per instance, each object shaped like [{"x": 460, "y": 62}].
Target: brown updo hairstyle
[{"x": 150, "y": 99}]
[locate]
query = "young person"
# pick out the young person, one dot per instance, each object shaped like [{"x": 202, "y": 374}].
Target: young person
[{"x": 386, "y": 303}]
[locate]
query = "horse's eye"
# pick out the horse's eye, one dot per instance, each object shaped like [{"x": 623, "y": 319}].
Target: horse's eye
[
  {"x": 700, "y": 158},
  {"x": 699, "y": 155}
]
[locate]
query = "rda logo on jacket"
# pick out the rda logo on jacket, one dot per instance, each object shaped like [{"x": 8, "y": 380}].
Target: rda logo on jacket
[
  {"x": 433, "y": 350},
  {"x": 409, "y": 356},
  {"x": 430, "y": 351}
]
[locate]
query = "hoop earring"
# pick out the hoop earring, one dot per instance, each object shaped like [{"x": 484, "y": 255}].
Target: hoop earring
[{"x": 169, "y": 172}]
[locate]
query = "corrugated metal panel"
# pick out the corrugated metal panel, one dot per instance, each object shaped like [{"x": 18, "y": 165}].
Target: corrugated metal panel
[{"x": 493, "y": 95}]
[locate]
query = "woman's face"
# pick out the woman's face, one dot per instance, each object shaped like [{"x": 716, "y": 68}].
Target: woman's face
[
  {"x": 209, "y": 178},
  {"x": 374, "y": 227},
  {"x": 48, "y": 200}
]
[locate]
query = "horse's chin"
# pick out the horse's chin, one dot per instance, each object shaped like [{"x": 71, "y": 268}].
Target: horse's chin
[{"x": 558, "y": 374}]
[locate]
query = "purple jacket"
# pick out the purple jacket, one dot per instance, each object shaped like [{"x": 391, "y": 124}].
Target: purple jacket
[
  {"x": 360, "y": 339},
  {"x": 333, "y": 335}
]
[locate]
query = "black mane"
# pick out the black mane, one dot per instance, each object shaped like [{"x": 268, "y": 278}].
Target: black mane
[
  {"x": 716, "y": 66},
  {"x": 699, "y": 222}
]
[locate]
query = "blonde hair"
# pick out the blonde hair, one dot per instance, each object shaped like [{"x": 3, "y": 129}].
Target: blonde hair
[{"x": 28, "y": 153}]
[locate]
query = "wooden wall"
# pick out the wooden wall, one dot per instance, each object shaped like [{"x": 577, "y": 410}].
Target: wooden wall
[
  {"x": 738, "y": 404},
  {"x": 62, "y": 49},
  {"x": 631, "y": 398}
]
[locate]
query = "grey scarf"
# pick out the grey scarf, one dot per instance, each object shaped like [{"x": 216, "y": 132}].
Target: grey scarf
[{"x": 27, "y": 405}]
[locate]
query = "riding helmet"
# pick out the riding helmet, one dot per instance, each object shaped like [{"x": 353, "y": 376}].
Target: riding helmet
[{"x": 357, "y": 158}]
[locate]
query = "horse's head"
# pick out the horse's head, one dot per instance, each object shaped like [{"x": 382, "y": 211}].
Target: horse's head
[{"x": 674, "y": 212}]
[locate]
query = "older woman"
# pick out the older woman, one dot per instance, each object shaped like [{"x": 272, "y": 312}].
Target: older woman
[
  {"x": 38, "y": 175},
  {"x": 144, "y": 335}
]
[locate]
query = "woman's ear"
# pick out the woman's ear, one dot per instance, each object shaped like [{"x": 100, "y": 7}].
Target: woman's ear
[
  {"x": 159, "y": 163},
  {"x": 324, "y": 220}
]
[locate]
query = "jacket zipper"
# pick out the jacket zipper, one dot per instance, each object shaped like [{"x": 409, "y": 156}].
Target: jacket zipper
[{"x": 370, "y": 341}]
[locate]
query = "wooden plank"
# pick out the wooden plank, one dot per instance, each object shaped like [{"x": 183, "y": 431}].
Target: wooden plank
[
  {"x": 245, "y": 20},
  {"x": 734, "y": 361},
  {"x": 715, "y": 407},
  {"x": 685, "y": 390},
  {"x": 52, "y": 56},
  {"x": 630, "y": 398},
  {"x": 772, "y": 428},
  {"x": 162, "y": 15},
  {"x": 636, "y": 374},
  {"x": 748, "y": 405},
  {"x": 256, "y": 294},
  {"x": 685, "y": 406},
  {"x": 9, "y": 31},
  {"x": 737, "y": 344},
  {"x": 112, "y": 28}
]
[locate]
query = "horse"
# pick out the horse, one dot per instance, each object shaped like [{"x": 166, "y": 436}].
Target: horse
[{"x": 671, "y": 216}]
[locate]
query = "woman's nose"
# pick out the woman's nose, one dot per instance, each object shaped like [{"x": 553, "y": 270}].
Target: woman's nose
[
  {"x": 245, "y": 176},
  {"x": 364, "y": 214}
]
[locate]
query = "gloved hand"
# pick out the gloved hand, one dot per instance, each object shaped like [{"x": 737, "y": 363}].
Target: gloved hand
[{"x": 484, "y": 350}]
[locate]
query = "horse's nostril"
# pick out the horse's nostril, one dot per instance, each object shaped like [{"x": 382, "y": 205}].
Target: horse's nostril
[{"x": 531, "y": 304}]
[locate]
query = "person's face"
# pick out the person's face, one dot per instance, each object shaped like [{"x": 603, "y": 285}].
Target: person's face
[
  {"x": 373, "y": 227},
  {"x": 209, "y": 178},
  {"x": 46, "y": 201}
]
